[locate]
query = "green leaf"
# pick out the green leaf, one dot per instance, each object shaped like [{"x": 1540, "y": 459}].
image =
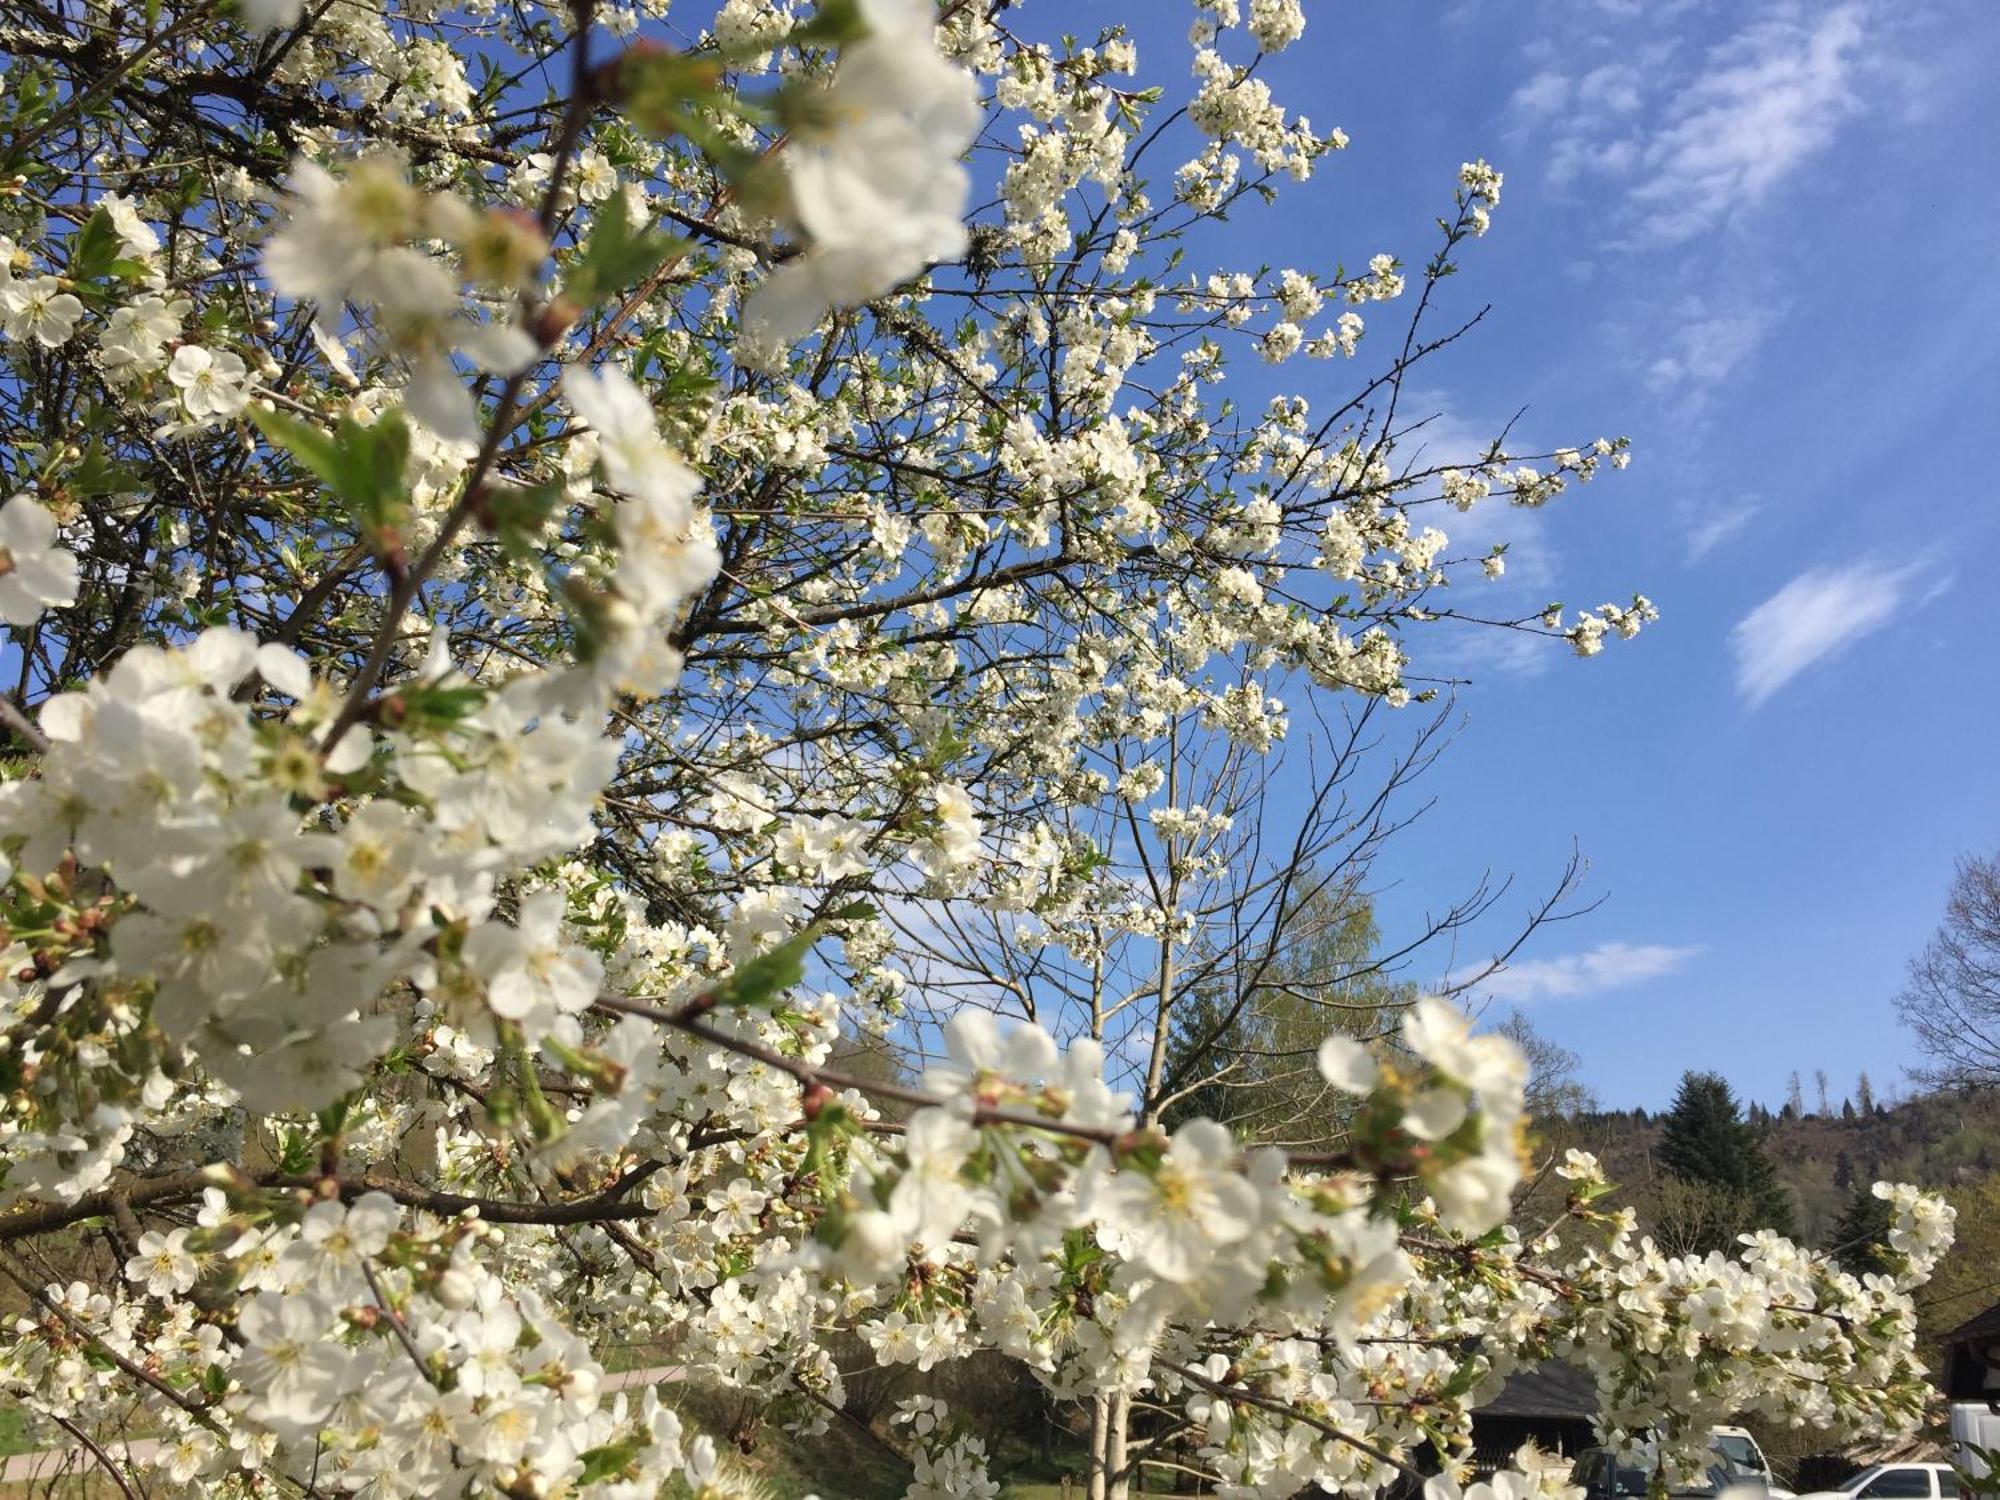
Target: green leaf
[
  {"x": 372, "y": 460},
  {"x": 607, "y": 1462},
  {"x": 1464, "y": 1378},
  {"x": 429, "y": 706},
  {"x": 656, "y": 89},
  {"x": 313, "y": 448},
  {"x": 362, "y": 463},
  {"x": 683, "y": 394},
  {"x": 768, "y": 975},
  {"x": 516, "y": 514},
  {"x": 93, "y": 250},
  {"x": 333, "y": 1118},
  {"x": 96, "y": 474},
  {"x": 836, "y": 23},
  {"x": 297, "y": 1153},
  {"x": 618, "y": 254}
]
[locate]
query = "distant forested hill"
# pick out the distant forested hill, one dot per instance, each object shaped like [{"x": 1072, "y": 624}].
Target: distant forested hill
[{"x": 1949, "y": 1141}]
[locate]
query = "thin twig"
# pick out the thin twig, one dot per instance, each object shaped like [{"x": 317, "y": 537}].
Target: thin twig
[
  {"x": 96, "y": 1452},
  {"x": 1250, "y": 1397}
]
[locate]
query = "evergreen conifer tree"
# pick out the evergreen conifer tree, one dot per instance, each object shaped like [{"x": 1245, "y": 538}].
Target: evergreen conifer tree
[
  {"x": 1704, "y": 1139},
  {"x": 1863, "y": 1226}
]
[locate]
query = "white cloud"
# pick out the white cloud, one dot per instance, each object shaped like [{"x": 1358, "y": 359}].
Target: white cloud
[
  {"x": 1695, "y": 140},
  {"x": 1813, "y": 618},
  {"x": 1710, "y": 527},
  {"x": 1542, "y": 95},
  {"x": 1449, "y": 439},
  {"x": 1771, "y": 98},
  {"x": 1711, "y": 338},
  {"x": 1460, "y": 649},
  {"x": 1608, "y": 966},
  {"x": 1614, "y": 88},
  {"x": 1674, "y": 130}
]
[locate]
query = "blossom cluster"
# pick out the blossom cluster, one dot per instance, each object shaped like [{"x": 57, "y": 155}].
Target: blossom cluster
[
  {"x": 370, "y": 1350},
  {"x": 556, "y": 622}
]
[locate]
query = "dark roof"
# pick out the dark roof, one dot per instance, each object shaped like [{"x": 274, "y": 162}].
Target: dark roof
[
  {"x": 1980, "y": 1328},
  {"x": 1550, "y": 1389}
]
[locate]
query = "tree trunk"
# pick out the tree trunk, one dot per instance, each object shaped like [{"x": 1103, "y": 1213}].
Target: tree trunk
[
  {"x": 1100, "y": 1431},
  {"x": 1119, "y": 1430}
]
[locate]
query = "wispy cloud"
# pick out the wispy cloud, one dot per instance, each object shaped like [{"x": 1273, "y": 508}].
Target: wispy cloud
[
  {"x": 1608, "y": 966},
  {"x": 1713, "y": 525},
  {"x": 1543, "y": 95},
  {"x": 1712, "y": 337},
  {"x": 1813, "y": 619},
  {"x": 1450, "y": 438},
  {"x": 1596, "y": 122},
  {"x": 1674, "y": 139},
  {"x": 1769, "y": 100},
  {"x": 1693, "y": 140}
]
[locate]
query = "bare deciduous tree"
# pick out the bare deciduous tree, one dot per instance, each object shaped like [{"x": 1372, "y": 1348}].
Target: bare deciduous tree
[{"x": 1951, "y": 1002}]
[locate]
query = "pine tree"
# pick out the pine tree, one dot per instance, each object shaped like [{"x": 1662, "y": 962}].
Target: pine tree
[
  {"x": 1704, "y": 1139},
  {"x": 1864, "y": 1226},
  {"x": 1843, "y": 1171},
  {"x": 1864, "y": 1094}
]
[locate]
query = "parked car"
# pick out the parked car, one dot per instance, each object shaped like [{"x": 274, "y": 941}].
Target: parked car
[
  {"x": 1738, "y": 1449},
  {"x": 1605, "y": 1476},
  {"x": 1895, "y": 1482}
]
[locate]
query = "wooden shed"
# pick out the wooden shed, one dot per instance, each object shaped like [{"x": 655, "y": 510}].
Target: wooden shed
[
  {"x": 1553, "y": 1404},
  {"x": 1972, "y": 1358}
]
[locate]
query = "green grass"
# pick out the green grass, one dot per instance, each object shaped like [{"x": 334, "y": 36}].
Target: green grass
[
  {"x": 14, "y": 1436},
  {"x": 845, "y": 1464},
  {"x": 643, "y": 1355},
  {"x": 840, "y": 1462}
]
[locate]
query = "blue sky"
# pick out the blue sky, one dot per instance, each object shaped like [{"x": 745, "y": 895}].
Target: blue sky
[{"x": 1758, "y": 238}]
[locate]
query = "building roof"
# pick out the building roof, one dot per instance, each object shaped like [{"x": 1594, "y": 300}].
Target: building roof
[
  {"x": 1550, "y": 1389},
  {"x": 1980, "y": 1328}
]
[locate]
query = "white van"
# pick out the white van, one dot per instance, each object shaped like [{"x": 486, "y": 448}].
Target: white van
[
  {"x": 1740, "y": 1451},
  {"x": 1975, "y": 1433}
]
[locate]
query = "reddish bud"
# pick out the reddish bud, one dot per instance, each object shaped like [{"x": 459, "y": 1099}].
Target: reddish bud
[{"x": 552, "y": 320}]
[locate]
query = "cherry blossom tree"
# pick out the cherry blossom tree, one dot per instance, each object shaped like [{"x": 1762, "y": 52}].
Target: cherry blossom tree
[{"x": 556, "y": 559}]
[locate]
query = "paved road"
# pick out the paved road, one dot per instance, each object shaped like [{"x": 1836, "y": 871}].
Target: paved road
[
  {"x": 51, "y": 1463},
  {"x": 29, "y": 1468}
]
